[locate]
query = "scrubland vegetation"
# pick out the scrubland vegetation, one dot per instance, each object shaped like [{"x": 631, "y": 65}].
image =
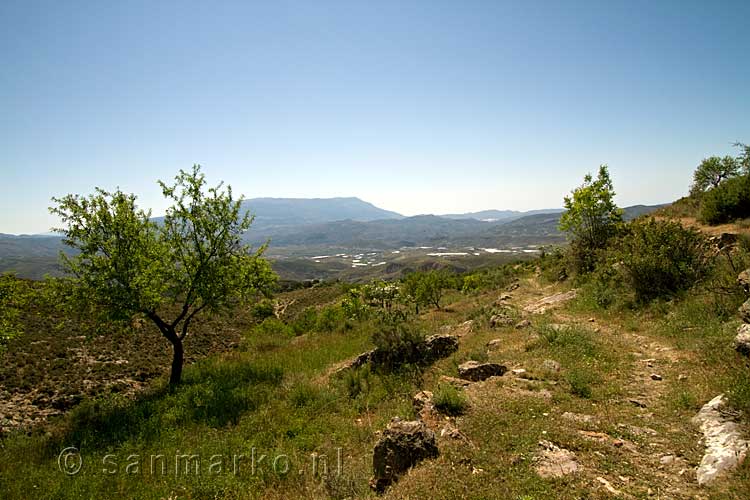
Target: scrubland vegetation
[{"x": 613, "y": 375}]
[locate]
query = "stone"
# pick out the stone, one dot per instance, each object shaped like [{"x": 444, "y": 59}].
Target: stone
[
  {"x": 513, "y": 286},
  {"x": 723, "y": 240},
  {"x": 667, "y": 460},
  {"x": 656, "y": 376},
  {"x": 608, "y": 486},
  {"x": 495, "y": 344},
  {"x": 434, "y": 347},
  {"x": 475, "y": 371},
  {"x": 500, "y": 320},
  {"x": 554, "y": 461},
  {"x": 551, "y": 365},
  {"x": 725, "y": 446},
  {"x": 744, "y": 311},
  {"x": 525, "y": 323},
  {"x": 439, "y": 346},
  {"x": 580, "y": 418},
  {"x": 518, "y": 372},
  {"x": 464, "y": 328},
  {"x": 542, "y": 305},
  {"x": 741, "y": 342},
  {"x": 455, "y": 382},
  {"x": 402, "y": 445},
  {"x": 421, "y": 400},
  {"x": 504, "y": 297},
  {"x": 744, "y": 280},
  {"x": 637, "y": 402}
]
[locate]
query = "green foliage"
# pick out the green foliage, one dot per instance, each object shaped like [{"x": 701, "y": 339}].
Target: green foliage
[
  {"x": 397, "y": 341},
  {"x": 380, "y": 294},
  {"x": 712, "y": 172},
  {"x": 14, "y": 295},
  {"x": 354, "y": 306},
  {"x": 425, "y": 288},
  {"x": 194, "y": 260},
  {"x": 580, "y": 383},
  {"x": 215, "y": 393},
  {"x": 591, "y": 217},
  {"x": 449, "y": 401},
  {"x": 262, "y": 309},
  {"x": 271, "y": 327},
  {"x": 744, "y": 157},
  {"x": 661, "y": 258},
  {"x": 471, "y": 283},
  {"x": 728, "y": 201},
  {"x": 358, "y": 381}
]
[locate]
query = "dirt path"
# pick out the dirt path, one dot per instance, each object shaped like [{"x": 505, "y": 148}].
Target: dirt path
[{"x": 661, "y": 448}]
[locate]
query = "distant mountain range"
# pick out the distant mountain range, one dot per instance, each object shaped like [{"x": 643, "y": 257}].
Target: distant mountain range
[
  {"x": 500, "y": 215},
  {"x": 275, "y": 212},
  {"x": 304, "y": 227}
]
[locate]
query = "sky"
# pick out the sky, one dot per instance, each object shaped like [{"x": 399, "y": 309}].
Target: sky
[{"x": 415, "y": 106}]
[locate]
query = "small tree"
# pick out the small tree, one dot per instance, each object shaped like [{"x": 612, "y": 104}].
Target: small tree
[
  {"x": 591, "y": 216},
  {"x": 743, "y": 159},
  {"x": 425, "y": 289},
  {"x": 712, "y": 171},
  {"x": 169, "y": 271}
]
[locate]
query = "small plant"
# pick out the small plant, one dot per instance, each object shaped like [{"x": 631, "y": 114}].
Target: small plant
[
  {"x": 479, "y": 355},
  {"x": 449, "y": 401},
  {"x": 358, "y": 381},
  {"x": 580, "y": 383},
  {"x": 262, "y": 310}
]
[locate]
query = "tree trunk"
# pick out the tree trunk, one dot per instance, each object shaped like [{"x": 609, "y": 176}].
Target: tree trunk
[{"x": 175, "y": 375}]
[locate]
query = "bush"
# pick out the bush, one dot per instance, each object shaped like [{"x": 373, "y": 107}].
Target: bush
[
  {"x": 262, "y": 310},
  {"x": 660, "y": 258},
  {"x": 728, "y": 201},
  {"x": 398, "y": 341},
  {"x": 449, "y": 401}
]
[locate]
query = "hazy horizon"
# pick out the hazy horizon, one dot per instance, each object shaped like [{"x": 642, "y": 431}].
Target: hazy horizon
[{"x": 416, "y": 107}]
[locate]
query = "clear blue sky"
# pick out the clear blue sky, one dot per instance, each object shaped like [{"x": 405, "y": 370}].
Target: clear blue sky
[{"x": 419, "y": 107}]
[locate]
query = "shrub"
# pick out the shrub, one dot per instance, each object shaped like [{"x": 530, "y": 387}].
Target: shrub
[
  {"x": 728, "y": 201},
  {"x": 262, "y": 310},
  {"x": 398, "y": 341},
  {"x": 660, "y": 258},
  {"x": 449, "y": 401},
  {"x": 580, "y": 383},
  {"x": 271, "y": 327}
]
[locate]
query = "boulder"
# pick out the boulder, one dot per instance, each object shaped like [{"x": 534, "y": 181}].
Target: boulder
[
  {"x": 542, "y": 305},
  {"x": 439, "y": 346},
  {"x": 421, "y": 400},
  {"x": 725, "y": 446},
  {"x": 402, "y": 445},
  {"x": 525, "y": 323},
  {"x": 513, "y": 286},
  {"x": 474, "y": 371},
  {"x": 500, "y": 320},
  {"x": 745, "y": 311},
  {"x": 741, "y": 342}
]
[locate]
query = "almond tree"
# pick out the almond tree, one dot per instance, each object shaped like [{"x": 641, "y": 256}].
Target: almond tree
[{"x": 192, "y": 261}]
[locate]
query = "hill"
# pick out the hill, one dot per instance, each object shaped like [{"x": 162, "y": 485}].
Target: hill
[
  {"x": 305, "y": 228},
  {"x": 276, "y": 212}
]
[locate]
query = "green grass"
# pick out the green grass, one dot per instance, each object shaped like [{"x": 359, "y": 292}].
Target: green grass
[{"x": 449, "y": 400}]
